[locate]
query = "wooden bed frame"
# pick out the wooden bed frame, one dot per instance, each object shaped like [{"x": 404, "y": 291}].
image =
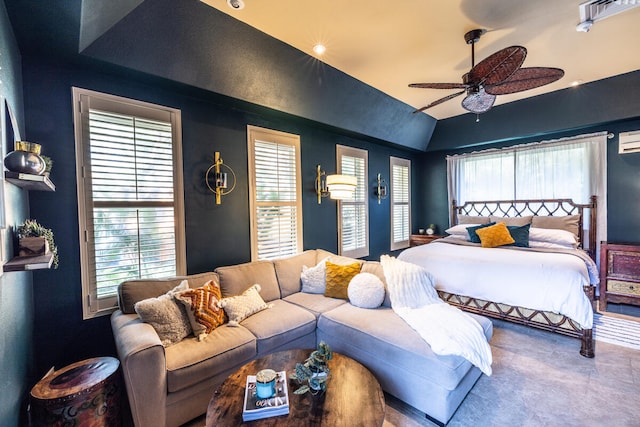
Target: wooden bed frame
[{"x": 538, "y": 319}]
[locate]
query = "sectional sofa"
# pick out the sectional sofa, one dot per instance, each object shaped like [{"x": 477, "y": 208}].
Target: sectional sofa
[{"x": 168, "y": 386}]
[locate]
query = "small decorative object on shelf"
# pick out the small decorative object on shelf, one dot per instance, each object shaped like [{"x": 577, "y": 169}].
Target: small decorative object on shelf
[
  {"x": 256, "y": 406},
  {"x": 30, "y": 230},
  {"x": 314, "y": 371},
  {"x": 432, "y": 229},
  {"x": 25, "y": 158}
]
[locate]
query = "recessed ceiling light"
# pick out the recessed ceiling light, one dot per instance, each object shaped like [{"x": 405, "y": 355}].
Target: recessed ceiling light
[
  {"x": 576, "y": 83},
  {"x": 236, "y": 4},
  {"x": 319, "y": 49}
]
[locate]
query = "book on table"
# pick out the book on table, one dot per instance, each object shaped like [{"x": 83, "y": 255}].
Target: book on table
[{"x": 255, "y": 408}]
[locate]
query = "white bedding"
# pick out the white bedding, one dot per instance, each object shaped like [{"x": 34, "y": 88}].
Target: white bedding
[{"x": 530, "y": 279}]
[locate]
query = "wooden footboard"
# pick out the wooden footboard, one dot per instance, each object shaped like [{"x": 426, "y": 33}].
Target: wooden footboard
[{"x": 538, "y": 319}]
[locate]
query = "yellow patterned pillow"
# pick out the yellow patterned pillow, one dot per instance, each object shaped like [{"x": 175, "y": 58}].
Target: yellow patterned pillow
[
  {"x": 496, "y": 235},
  {"x": 338, "y": 278},
  {"x": 202, "y": 307}
]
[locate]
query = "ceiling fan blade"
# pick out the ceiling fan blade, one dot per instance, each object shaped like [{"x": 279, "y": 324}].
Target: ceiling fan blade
[
  {"x": 525, "y": 79},
  {"x": 440, "y": 101},
  {"x": 498, "y": 67},
  {"x": 439, "y": 85},
  {"x": 478, "y": 102}
]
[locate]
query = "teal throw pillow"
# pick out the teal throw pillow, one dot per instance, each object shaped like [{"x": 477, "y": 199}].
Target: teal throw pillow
[
  {"x": 473, "y": 236},
  {"x": 520, "y": 234}
]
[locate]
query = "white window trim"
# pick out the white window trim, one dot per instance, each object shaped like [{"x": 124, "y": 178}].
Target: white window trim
[
  {"x": 92, "y": 306},
  {"x": 396, "y": 161},
  {"x": 342, "y": 150},
  {"x": 257, "y": 133}
]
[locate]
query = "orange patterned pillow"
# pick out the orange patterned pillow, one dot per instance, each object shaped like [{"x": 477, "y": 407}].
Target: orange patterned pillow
[
  {"x": 202, "y": 308},
  {"x": 338, "y": 278},
  {"x": 496, "y": 235}
]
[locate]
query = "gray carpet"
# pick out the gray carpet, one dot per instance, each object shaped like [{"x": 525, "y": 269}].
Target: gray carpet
[
  {"x": 540, "y": 379},
  {"x": 616, "y": 330}
]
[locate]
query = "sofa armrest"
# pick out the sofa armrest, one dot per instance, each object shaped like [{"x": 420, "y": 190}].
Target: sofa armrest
[{"x": 143, "y": 363}]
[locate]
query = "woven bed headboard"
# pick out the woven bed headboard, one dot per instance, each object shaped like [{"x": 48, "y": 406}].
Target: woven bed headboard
[{"x": 539, "y": 207}]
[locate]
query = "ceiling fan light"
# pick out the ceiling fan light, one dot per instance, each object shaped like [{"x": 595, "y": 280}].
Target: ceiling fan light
[{"x": 478, "y": 102}]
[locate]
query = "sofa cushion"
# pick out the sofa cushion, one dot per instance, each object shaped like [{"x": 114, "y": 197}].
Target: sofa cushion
[
  {"x": 235, "y": 279},
  {"x": 338, "y": 278},
  {"x": 374, "y": 267},
  {"x": 366, "y": 290},
  {"x": 167, "y": 316},
  {"x": 202, "y": 308},
  {"x": 315, "y": 303},
  {"x": 191, "y": 361},
  {"x": 381, "y": 328},
  {"x": 282, "y": 323},
  {"x": 132, "y": 291},
  {"x": 239, "y": 307},
  {"x": 288, "y": 271}
]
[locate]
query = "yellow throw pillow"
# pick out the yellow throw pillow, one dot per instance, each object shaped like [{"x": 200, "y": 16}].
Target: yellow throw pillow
[
  {"x": 338, "y": 278},
  {"x": 496, "y": 235}
]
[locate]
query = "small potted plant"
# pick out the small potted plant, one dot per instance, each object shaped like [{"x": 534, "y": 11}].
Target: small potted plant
[
  {"x": 314, "y": 371},
  {"x": 48, "y": 164},
  {"x": 32, "y": 229}
]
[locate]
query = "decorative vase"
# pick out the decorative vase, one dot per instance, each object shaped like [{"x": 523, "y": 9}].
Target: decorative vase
[{"x": 24, "y": 162}]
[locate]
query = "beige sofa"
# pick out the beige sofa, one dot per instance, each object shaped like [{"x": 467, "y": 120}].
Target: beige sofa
[{"x": 170, "y": 386}]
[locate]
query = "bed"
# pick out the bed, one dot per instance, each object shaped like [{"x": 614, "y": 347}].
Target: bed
[{"x": 545, "y": 279}]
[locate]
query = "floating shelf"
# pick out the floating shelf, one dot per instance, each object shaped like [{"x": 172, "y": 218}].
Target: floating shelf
[
  {"x": 30, "y": 182},
  {"x": 28, "y": 263}
]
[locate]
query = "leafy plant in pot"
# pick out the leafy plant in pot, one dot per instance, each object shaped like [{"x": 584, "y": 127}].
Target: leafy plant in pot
[
  {"x": 31, "y": 228},
  {"x": 314, "y": 371}
]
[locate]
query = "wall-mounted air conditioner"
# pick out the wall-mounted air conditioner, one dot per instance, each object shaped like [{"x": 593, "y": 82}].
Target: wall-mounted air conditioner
[{"x": 629, "y": 142}]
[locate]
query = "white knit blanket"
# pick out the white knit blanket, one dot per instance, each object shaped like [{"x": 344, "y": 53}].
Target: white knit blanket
[{"x": 447, "y": 329}]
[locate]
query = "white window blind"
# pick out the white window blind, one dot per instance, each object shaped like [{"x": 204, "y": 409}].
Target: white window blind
[
  {"x": 400, "y": 202},
  {"x": 353, "y": 218},
  {"x": 275, "y": 193},
  {"x": 130, "y": 199}
]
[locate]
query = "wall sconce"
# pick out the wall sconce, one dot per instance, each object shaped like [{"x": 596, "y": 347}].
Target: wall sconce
[
  {"x": 220, "y": 183},
  {"x": 338, "y": 187},
  {"x": 381, "y": 189}
]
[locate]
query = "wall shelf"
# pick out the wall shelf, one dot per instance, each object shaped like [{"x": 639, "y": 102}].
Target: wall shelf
[
  {"x": 28, "y": 263},
  {"x": 30, "y": 182}
]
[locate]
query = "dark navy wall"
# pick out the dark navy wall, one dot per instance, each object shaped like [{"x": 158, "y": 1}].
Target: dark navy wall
[
  {"x": 215, "y": 235},
  {"x": 16, "y": 307}
]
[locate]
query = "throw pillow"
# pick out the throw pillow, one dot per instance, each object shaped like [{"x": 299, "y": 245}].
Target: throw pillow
[
  {"x": 313, "y": 278},
  {"x": 240, "y": 307},
  {"x": 202, "y": 308},
  {"x": 514, "y": 220},
  {"x": 472, "y": 231},
  {"x": 166, "y": 315},
  {"x": 496, "y": 235},
  {"x": 470, "y": 219},
  {"x": 366, "y": 290},
  {"x": 520, "y": 234},
  {"x": 338, "y": 278}
]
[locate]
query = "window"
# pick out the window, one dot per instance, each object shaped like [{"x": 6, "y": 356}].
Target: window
[
  {"x": 571, "y": 168},
  {"x": 130, "y": 197},
  {"x": 275, "y": 193},
  {"x": 353, "y": 218},
  {"x": 400, "y": 202}
]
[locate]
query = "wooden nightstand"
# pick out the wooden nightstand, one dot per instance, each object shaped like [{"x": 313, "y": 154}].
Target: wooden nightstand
[
  {"x": 423, "y": 239},
  {"x": 619, "y": 274}
]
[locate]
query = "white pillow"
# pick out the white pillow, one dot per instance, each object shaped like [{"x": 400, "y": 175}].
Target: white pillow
[
  {"x": 366, "y": 290},
  {"x": 459, "y": 230},
  {"x": 555, "y": 237},
  {"x": 242, "y": 306},
  {"x": 314, "y": 278}
]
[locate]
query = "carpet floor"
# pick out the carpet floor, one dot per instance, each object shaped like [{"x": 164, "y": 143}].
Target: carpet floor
[{"x": 540, "y": 379}]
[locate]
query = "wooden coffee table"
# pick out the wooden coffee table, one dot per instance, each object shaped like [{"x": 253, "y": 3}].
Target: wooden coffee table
[{"x": 353, "y": 396}]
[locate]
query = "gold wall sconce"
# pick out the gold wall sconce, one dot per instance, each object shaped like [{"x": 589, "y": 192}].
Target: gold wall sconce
[
  {"x": 381, "y": 189},
  {"x": 338, "y": 187},
  {"x": 220, "y": 179}
]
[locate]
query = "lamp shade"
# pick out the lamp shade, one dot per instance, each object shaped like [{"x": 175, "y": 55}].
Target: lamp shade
[{"x": 341, "y": 186}]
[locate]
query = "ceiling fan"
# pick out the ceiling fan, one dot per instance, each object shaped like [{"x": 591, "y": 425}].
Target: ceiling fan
[{"x": 498, "y": 74}]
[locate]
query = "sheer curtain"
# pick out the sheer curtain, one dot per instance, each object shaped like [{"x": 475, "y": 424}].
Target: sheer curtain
[{"x": 573, "y": 168}]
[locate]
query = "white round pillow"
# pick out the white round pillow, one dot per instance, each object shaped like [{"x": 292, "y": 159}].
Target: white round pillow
[{"x": 366, "y": 290}]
